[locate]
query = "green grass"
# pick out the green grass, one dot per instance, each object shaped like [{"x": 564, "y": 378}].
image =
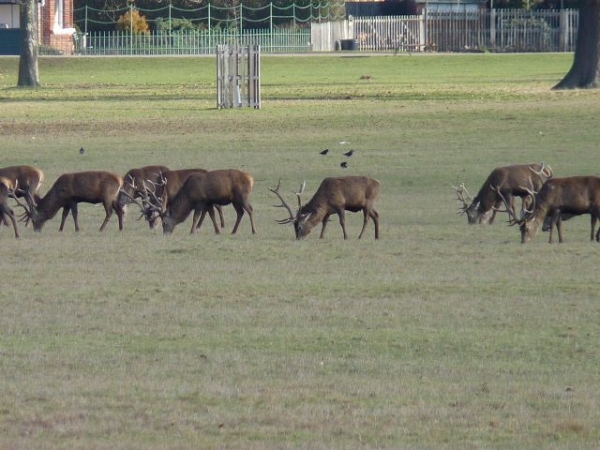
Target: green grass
[{"x": 439, "y": 335}]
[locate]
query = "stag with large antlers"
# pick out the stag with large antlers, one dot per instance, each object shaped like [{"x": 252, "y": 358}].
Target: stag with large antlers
[
  {"x": 159, "y": 184},
  {"x": 72, "y": 188},
  {"x": 560, "y": 199},
  {"x": 511, "y": 180},
  {"x": 334, "y": 196},
  {"x": 7, "y": 189},
  {"x": 201, "y": 192},
  {"x": 136, "y": 180}
]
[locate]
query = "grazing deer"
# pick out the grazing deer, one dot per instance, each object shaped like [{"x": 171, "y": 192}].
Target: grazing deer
[
  {"x": 200, "y": 192},
  {"x": 7, "y": 189},
  {"x": 560, "y": 199},
  {"x": 512, "y": 180},
  {"x": 71, "y": 189},
  {"x": 334, "y": 196},
  {"x": 160, "y": 184}
]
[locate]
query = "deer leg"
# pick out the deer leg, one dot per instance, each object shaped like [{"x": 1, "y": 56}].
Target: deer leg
[
  {"x": 221, "y": 217},
  {"x": 342, "y": 215},
  {"x": 594, "y": 219},
  {"x": 366, "y": 215},
  {"x": 120, "y": 210},
  {"x": 559, "y": 227},
  {"x": 211, "y": 213},
  {"x": 65, "y": 213},
  {"x": 324, "y": 225},
  {"x": 199, "y": 213},
  {"x": 375, "y": 217},
  {"x": 250, "y": 211},
  {"x": 240, "y": 212},
  {"x": 109, "y": 212}
]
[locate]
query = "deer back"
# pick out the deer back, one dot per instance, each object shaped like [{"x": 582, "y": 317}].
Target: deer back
[
  {"x": 351, "y": 193},
  {"x": 27, "y": 178},
  {"x": 89, "y": 187},
  {"x": 175, "y": 179}
]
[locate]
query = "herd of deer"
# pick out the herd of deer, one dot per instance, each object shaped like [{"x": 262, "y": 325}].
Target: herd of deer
[
  {"x": 170, "y": 196},
  {"x": 545, "y": 200}
]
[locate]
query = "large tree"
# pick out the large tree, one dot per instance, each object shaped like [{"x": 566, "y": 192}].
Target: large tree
[
  {"x": 585, "y": 72},
  {"x": 28, "y": 62}
]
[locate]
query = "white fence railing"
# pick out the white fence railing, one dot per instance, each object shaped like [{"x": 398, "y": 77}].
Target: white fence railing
[{"x": 443, "y": 31}]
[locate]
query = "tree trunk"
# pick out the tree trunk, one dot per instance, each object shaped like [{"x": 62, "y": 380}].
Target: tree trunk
[
  {"x": 28, "y": 62},
  {"x": 585, "y": 71}
]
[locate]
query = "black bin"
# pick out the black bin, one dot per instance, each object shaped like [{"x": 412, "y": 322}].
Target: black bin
[{"x": 348, "y": 44}]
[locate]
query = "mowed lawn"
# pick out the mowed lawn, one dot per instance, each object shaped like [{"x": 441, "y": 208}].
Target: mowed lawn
[{"x": 439, "y": 335}]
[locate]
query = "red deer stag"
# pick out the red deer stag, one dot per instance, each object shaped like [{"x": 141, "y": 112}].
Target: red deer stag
[
  {"x": 73, "y": 188},
  {"x": 334, "y": 196},
  {"x": 172, "y": 183},
  {"x": 157, "y": 183},
  {"x": 7, "y": 189},
  {"x": 200, "y": 192},
  {"x": 513, "y": 182},
  {"x": 572, "y": 196}
]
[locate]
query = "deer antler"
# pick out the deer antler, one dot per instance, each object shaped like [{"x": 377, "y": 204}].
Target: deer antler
[
  {"x": 513, "y": 218},
  {"x": 28, "y": 209},
  {"x": 532, "y": 193},
  {"x": 284, "y": 204},
  {"x": 544, "y": 173},
  {"x": 298, "y": 194},
  {"x": 461, "y": 190}
]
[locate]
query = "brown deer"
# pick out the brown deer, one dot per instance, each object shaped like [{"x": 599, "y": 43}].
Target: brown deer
[
  {"x": 334, "y": 196},
  {"x": 73, "y": 188},
  {"x": 513, "y": 181},
  {"x": 200, "y": 192},
  {"x": 28, "y": 179},
  {"x": 560, "y": 199},
  {"x": 7, "y": 189}
]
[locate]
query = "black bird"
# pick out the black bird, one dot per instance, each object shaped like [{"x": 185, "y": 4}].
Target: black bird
[
  {"x": 349, "y": 154},
  {"x": 344, "y": 165},
  {"x": 324, "y": 152},
  {"x": 81, "y": 151}
]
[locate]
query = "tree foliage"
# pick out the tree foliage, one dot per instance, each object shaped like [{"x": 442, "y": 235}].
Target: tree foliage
[{"x": 132, "y": 21}]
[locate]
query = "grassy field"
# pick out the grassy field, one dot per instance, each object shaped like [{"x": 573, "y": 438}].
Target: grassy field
[{"x": 438, "y": 336}]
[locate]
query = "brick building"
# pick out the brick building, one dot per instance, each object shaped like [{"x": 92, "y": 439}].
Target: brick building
[{"x": 55, "y": 22}]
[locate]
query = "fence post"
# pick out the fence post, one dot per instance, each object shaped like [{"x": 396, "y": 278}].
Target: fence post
[
  {"x": 563, "y": 33},
  {"x": 493, "y": 28}
]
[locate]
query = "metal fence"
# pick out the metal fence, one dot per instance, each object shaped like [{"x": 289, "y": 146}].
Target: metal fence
[
  {"x": 191, "y": 42},
  {"x": 495, "y": 30},
  {"x": 451, "y": 31}
]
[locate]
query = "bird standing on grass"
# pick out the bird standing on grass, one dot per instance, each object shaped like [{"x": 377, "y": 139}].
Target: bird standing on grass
[
  {"x": 81, "y": 151},
  {"x": 349, "y": 153},
  {"x": 344, "y": 165},
  {"x": 324, "y": 152}
]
